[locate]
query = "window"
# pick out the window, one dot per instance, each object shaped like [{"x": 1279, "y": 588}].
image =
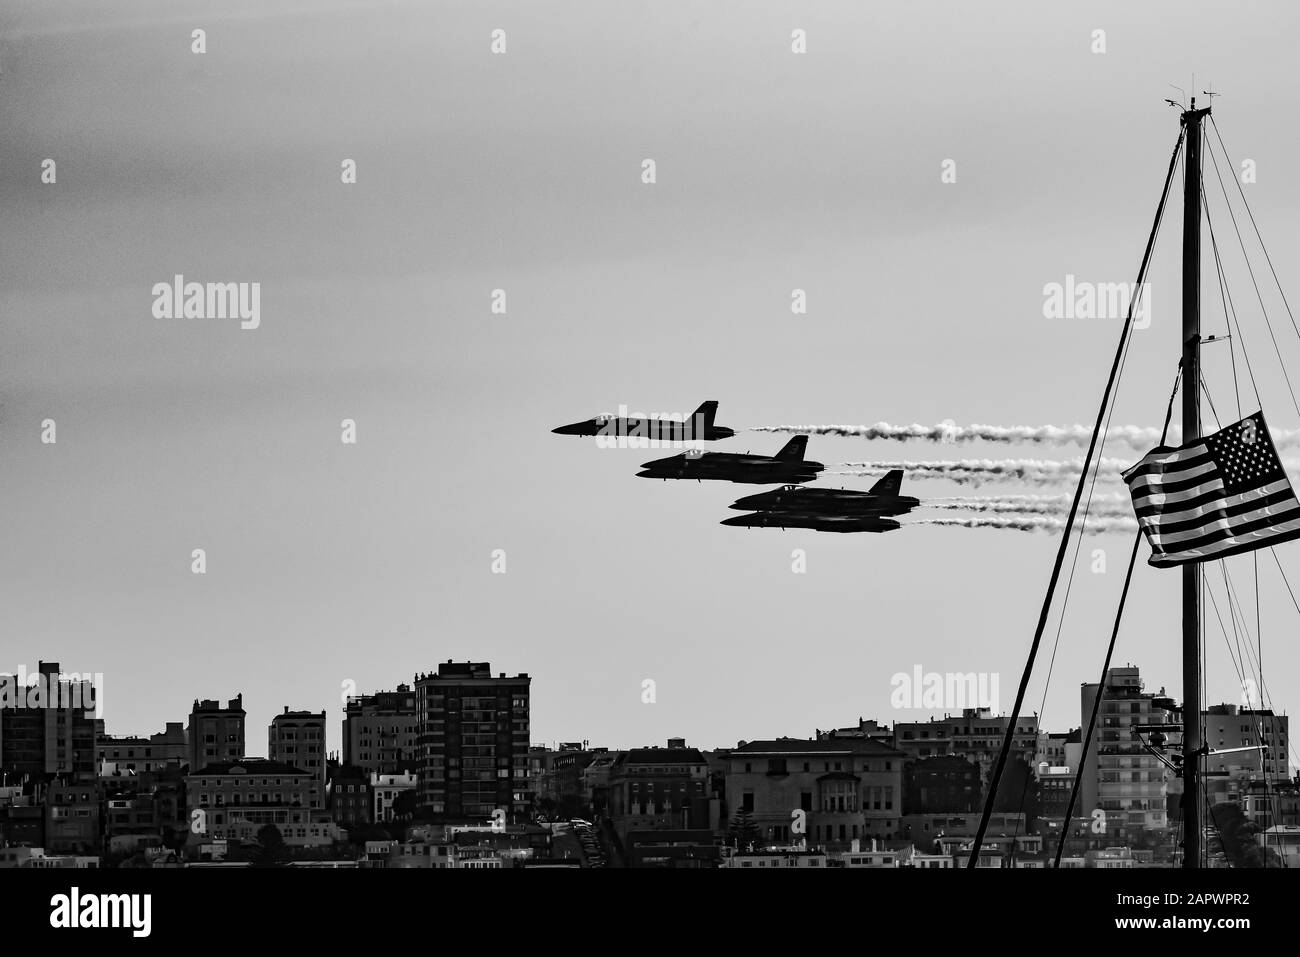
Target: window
[
  {"x": 747, "y": 801},
  {"x": 806, "y": 800}
]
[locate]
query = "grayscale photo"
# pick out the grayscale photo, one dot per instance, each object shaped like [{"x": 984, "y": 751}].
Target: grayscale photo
[{"x": 604, "y": 436}]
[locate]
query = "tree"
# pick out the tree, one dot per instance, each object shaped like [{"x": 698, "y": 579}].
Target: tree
[
  {"x": 404, "y": 806},
  {"x": 743, "y": 830},
  {"x": 1236, "y": 838},
  {"x": 1018, "y": 791},
  {"x": 271, "y": 850}
]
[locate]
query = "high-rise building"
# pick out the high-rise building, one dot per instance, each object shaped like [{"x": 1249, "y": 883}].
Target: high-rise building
[
  {"x": 1121, "y": 777},
  {"x": 215, "y": 734},
  {"x": 473, "y": 743},
  {"x": 297, "y": 738},
  {"x": 45, "y": 727},
  {"x": 379, "y": 731}
]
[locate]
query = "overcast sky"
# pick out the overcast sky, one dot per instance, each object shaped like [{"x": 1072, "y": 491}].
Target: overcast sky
[{"x": 330, "y": 563}]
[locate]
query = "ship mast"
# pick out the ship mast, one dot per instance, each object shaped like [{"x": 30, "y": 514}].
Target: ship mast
[{"x": 1192, "y": 745}]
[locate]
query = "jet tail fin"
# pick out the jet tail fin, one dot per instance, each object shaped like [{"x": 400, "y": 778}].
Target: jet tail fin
[
  {"x": 891, "y": 484},
  {"x": 705, "y": 413},
  {"x": 794, "y": 449}
]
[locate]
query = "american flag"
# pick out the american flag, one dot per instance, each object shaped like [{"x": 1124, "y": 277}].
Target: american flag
[{"x": 1220, "y": 495}]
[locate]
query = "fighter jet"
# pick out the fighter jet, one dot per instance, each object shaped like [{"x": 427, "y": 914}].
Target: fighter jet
[
  {"x": 699, "y": 427},
  {"x": 822, "y": 522},
  {"x": 787, "y": 465},
  {"x": 881, "y": 499}
]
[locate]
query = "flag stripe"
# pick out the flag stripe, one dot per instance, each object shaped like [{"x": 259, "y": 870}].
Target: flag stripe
[
  {"x": 1175, "y": 481},
  {"x": 1207, "y": 506},
  {"x": 1183, "y": 532},
  {"x": 1235, "y": 545},
  {"x": 1153, "y": 464}
]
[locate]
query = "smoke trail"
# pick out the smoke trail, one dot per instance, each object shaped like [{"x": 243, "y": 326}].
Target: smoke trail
[
  {"x": 1140, "y": 438},
  {"x": 1030, "y": 501},
  {"x": 982, "y": 471},
  {"x": 1118, "y": 508},
  {"x": 1034, "y": 523}
]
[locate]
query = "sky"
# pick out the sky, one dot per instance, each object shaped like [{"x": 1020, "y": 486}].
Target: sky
[{"x": 336, "y": 568}]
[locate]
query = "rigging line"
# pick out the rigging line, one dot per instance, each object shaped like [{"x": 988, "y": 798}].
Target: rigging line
[
  {"x": 1232, "y": 353},
  {"x": 1266, "y": 754},
  {"x": 1110, "y": 650},
  {"x": 1009, "y": 738},
  {"x": 1235, "y": 615},
  {"x": 1223, "y": 287},
  {"x": 1074, "y": 562},
  {"x": 1265, "y": 697},
  {"x": 1263, "y": 248},
  {"x": 1096, "y": 702},
  {"x": 1205, "y": 390},
  {"x": 1227, "y": 322},
  {"x": 1258, "y": 295},
  {"x": 1241, "y": 668}
]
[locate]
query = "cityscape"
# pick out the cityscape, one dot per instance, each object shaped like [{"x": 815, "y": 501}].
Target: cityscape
[{"x": 441, "y": 772}]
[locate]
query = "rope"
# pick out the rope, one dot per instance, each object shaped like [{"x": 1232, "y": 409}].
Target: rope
[
  {"x": 1227, "y": 159},
  {"x": 1110, "y": 650},
  {"x": 1069, "y": 523},
  {"x": 1258, "y": 295}
]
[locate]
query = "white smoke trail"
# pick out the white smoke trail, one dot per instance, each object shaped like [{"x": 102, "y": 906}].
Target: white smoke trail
[
  {"x": 1140, "y": 438},
  {"x": 1137, "y": 437},
  {"x": 1034, "y": 523},
  {"x": 976, "y": 472},
  {"x": 1117, "y": 508},
  {"x": 1063, "y": 501},
  {"x": 982, "y": 471}
]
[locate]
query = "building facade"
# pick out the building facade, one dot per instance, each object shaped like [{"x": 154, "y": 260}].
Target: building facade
[
  {"x": 1266, "y": 733},
  {"x": 215, "y": 734},
  {"x": 1121, "y": 777},
  {"x": 659, "y": 788},
  {"x": 234, "y": 800},
  {"x": 50, "y": 733},
  {"x": 380, "y": 733},
  {"x": 473, "y": 743},
  {"x": 297, "y": 738},
  {"x": 827, "y": 792}
]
